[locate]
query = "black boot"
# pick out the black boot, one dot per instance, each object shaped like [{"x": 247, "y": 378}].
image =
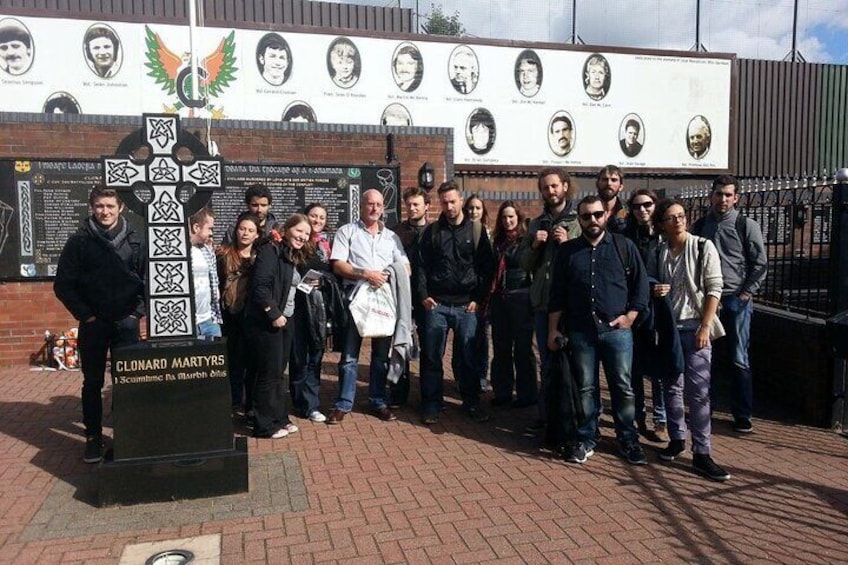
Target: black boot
[{"x": 674, "y": 448}]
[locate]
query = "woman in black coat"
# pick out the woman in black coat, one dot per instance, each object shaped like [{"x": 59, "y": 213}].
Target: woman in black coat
[
  {"x": 271, "y": 305},
  {"x": 514, "y": 363}
]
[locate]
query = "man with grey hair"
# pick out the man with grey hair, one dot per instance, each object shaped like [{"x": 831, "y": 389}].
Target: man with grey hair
[
  {"x": 363, "y": 251},
  {"x": 698, "y": 137}
]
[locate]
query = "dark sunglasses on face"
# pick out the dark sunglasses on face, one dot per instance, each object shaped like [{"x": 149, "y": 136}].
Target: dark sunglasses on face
[
  {"x": 586, "y": 216},
  {"x": 645, "y": 205}
]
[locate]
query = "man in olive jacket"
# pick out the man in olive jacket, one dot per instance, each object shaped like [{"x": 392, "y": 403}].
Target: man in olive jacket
[
  {"x": 557, "y": 224},
  {"x": 100, "y": 280}
]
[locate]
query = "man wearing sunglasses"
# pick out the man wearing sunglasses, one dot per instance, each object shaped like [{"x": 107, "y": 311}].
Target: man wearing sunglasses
[{"x": 595, "y": 297}]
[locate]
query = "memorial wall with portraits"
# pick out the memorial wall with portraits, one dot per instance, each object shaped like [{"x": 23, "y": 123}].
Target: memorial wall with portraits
[{"x": 510, "y": 105}]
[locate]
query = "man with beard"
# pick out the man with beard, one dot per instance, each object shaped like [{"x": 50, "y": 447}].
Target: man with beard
[
  {"x": 100, "y": 280},
  {"x": 453, "y": 275},
  {"x": 417, "y": 202},
  {"x": 257, "y": 197},
  {"x": 557, "y": 224},
  {"x": 599, "y": 286},
  {"x": 610, "y": 183}
]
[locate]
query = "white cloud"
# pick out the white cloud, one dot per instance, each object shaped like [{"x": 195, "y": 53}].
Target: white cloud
[{"x": 750, "y": 28}]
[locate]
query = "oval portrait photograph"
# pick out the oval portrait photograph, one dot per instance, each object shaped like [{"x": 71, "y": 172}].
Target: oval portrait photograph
[
  {"x": 528, "y": 73},
  {"x": 299, "y": 111},
  {"x": 407, "y": 67},
  {"x": 61, "y": 103},
  {"x": 274, "y": 59},
  {"x": 698, "y": 137},
  {"x": 17, "y": 49},
  {"x": 101, "y": 48},
  {"x": 463, "y": 69},
  {"x": 343, "y": 62},
  {"x": 480, "y": 131},
  {"x": 561, "y": 133},
  {"x": 596, "y": 76},
  {"x": 631, "y": 135},
  {"x": 396, "y": 115}
]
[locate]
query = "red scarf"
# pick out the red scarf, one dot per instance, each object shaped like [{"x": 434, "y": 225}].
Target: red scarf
[{"x": 510, "y": 239}]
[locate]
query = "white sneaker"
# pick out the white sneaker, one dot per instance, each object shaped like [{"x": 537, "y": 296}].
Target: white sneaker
[
  {"x": 279, "y": 434},
  {"x": 290, "y": 428},
  {"x": 317, "y": 417}
]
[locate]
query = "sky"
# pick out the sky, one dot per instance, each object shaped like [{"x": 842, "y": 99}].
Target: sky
[{"x": 755, "y": 29}]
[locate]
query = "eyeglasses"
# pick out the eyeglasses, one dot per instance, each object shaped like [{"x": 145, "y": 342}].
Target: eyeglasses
[
  {"x": 645, "y": 205},
  {"x": 586, "y": 216},
  {"x": 675, "y": 218}
]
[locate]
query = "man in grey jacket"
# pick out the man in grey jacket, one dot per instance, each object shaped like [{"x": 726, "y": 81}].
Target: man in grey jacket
[
  {"x": 557, "y": 224},
  {"x": 744, "y": 264}
]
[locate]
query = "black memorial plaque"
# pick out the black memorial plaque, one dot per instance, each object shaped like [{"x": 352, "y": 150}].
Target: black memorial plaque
[
  {"x": 42, "y": 202},
  {"x": 171, "y": 399}
]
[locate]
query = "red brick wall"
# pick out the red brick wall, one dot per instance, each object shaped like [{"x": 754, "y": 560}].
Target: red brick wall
[{"x": 27, "y": 309}]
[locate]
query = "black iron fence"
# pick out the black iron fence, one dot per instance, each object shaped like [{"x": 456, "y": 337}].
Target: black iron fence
[{"x": 796, "y": 217}]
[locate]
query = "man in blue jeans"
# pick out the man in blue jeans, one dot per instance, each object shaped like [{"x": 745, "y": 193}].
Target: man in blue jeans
[
  {"x": 744, "y": 264},
  {"x": 599, "y": 286},
  {"x": 362, "y": 251},
  {"x": 455, "y": 265}
]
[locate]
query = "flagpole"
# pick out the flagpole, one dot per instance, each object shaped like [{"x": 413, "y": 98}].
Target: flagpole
[{"x": 192, "y": 25}]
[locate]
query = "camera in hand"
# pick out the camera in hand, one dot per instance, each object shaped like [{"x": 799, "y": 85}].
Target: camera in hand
[{"x": 545, "y": 224}]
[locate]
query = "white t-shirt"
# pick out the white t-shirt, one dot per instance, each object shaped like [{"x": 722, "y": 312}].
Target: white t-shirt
[{"x": 202, "y": 286}]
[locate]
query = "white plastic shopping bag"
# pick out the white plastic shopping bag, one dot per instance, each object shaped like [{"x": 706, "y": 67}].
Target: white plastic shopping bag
[{"x": 373, "y": 310}]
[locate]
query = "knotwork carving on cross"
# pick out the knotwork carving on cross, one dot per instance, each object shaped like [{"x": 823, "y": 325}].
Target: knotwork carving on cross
[{"x": 165, "y": 174}]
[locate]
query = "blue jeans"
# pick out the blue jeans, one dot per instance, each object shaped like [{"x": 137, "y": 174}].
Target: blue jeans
[
  {"x": 615, "y": 350},
  {"x": 437, "y": 322},
  {"x": 645, "y": 363},
  {"x": 305, "y": 369},
  {"x": 349, "y": 368},
  {"x": 735, "y": 316},
  {"x": 208, "y": 329}
]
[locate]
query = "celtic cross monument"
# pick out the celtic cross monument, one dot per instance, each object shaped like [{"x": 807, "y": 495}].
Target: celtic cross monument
[
  {"x": 173, "y": 181},
  {"x": 172, "y": 426}
]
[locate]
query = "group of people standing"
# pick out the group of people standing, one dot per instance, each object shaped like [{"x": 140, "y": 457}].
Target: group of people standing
[{"x": 599, "y": 282}]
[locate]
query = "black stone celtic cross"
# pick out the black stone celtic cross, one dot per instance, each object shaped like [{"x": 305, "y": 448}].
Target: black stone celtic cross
[{"x": 173, "y": 181}]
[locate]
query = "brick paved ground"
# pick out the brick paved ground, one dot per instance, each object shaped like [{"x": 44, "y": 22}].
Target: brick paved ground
[{"x": 459, "y": 492}]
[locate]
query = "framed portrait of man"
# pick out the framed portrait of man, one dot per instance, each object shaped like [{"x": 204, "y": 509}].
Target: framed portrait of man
[
  {"x": 596, "y": 76},
  {"x": 102, "y": 50},
  {"x": 274, "y": 59},
  {"x": 480, "y": 131},
  {"x": 463, "y": 69},
  {"x": 344, "y": 62},
  {"x": 17, "y": 48},
  {"x": 699, "y": 136},
  {"x": 631, "y": 135},
  {"x": 562, "y": 134},
  {"x": 407, "y": 67}
]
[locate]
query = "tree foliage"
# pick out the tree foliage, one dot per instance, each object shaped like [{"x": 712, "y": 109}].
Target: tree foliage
[{"x": 438, "y": 23}]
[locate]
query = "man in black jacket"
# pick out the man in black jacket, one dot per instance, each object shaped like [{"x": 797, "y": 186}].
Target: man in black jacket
[
  {"x": 453, "y": 275},
  {"x": 100, "y": 280},
  {"x": 410, "y": 231}
]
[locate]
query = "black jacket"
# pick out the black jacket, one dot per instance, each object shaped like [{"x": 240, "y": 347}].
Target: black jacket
[
  {"x": 449, "y": 269},
  {"x": 270, "y": 282},
  {"x": 102, "y": 274}
]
